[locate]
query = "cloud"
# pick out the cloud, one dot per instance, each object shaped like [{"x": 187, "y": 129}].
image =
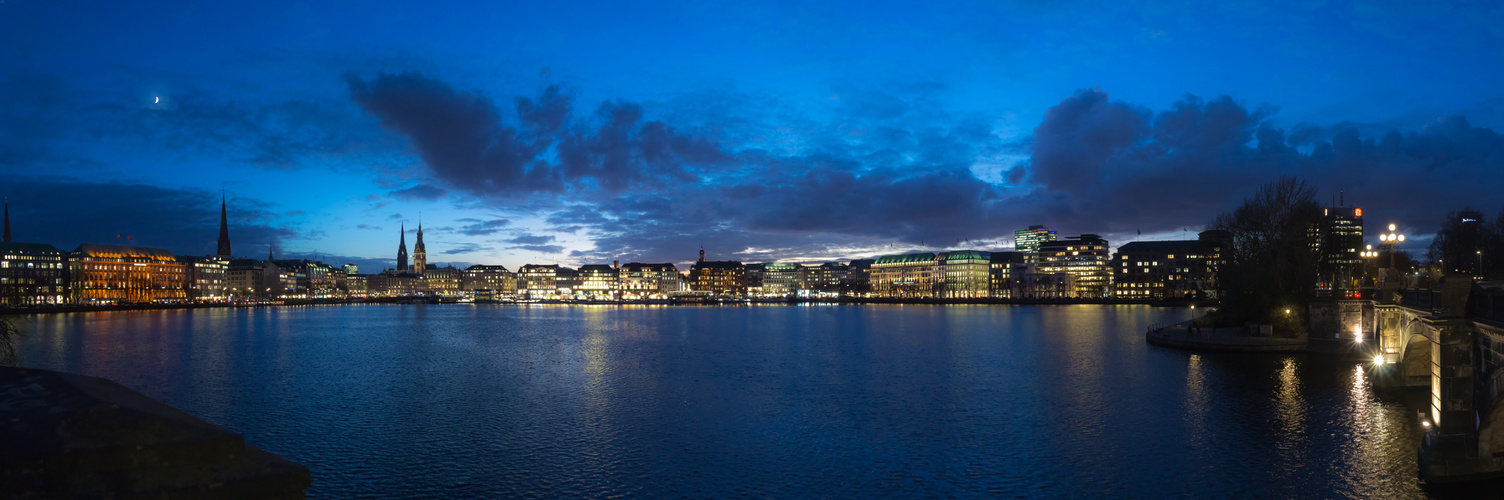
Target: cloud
[
  {"x": 65, "y": 212},
  {"x": 530, "y": 239},
  {"x": 467, "y": 142},
  {"x": 482, "y": 228},
  {"x": 419, "y": 192},
  {"x": 463, "y": 248},
  {"x": 548, "y": 249}
]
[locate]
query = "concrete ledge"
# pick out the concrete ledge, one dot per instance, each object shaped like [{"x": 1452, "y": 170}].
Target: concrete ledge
[{"x": 72, "y": 436}]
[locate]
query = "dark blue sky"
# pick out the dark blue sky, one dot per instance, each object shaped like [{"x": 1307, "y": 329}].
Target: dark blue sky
[{"x": 580, "y": 133}]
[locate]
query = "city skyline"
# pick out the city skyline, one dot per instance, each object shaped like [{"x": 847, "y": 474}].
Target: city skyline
[{"x": 811, "y": 134}]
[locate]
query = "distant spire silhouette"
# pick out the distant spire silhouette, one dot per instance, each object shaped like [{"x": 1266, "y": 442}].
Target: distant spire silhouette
[
  {"x": 224, "y": 228},
  {"x": 402, "y": 248}
]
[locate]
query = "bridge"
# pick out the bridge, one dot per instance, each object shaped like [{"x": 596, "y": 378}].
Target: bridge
[{"x": 1449, "y": 341}]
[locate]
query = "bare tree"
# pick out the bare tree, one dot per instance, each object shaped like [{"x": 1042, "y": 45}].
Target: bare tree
[{"x": 1271, "y": 265}]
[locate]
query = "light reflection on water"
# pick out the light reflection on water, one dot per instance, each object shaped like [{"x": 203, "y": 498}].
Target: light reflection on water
[{"x": 831, "y": 401}]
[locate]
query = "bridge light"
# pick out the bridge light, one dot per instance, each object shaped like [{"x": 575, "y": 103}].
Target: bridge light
[{"x": 1378, "y": 359}]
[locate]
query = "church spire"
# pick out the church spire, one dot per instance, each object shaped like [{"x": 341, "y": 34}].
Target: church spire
[
  {"x": 7, "y": 222},
  {"x": 420, "y": 253},
  {"x": 224, "y": 229},
  {"x": 402, "y": 248}
]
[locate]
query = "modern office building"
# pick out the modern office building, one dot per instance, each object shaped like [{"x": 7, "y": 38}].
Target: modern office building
[
  {"x": 779, "y": 279},
  {"x": 1027, "y": 242},
  {"x": 1084, "y": 257},
  {"x": 1179, "y": 269},
  {"x": 1338, "y": 242},
  {"x": 824, "y": 279},
  {"x": 120, "y": 274}
]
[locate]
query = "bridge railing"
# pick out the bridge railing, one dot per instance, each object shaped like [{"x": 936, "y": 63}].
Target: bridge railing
[{"x": 1420, "y": 298}]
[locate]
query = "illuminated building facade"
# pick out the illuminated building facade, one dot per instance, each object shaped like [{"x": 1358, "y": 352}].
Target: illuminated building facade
[
  {"x": 32, "y": 274},
  {"x": 858, "y": 281},
  {"x": 493, "y": 279},
  {"x": 1002, "y": 272},
  {"x": 1157, "y": 270},
  {"x": 596, "y": 281},
  {"x": 964, "y": 274},
  {"x": 725, "y": 277},
  {"x": 825, "y": 278},
  {"x": 1338, "y": 242},
  {"x": 911, "y": 275},
  {"x": 121, "y": 274},
  {"x": 1084, "y": 257},
  {"x": 644, "y": 280},
  {"x": 1027, "y": 242},
  {"x": 443, "y": 281},
  {"x": 245, "y": 278},
  {"x": 543, "y": 279},
  {"x": 356, "y": 286},
  {"x": 206, "y": 277},
  {"x": 779, "y": 279},
  {"x": 396, "y": 284}
]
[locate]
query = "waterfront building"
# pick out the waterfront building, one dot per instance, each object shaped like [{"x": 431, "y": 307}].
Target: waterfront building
[
  {"x": 394, "y": 283},
  {"x": 494, "y": 280},
  {"x": 964, "y": 274},
  {"x": 401, "y": 248},
  {"x": 351, "y": 269},
  {"x": 31, "y": 273},
  {"x": 244, "y": 279},
  {"x": 286, "y": 279},
  {"x": 540, "y": 280},
  {"x": 597, "y": 281},
  {"x": 779, "y": 279},
  {"x": 444, "y": 281},
  {"x": 644, "y": 280},
  {"x": 224, "y": 231},
  {"x": 121, "y": 274},
  {"x": 858, "y": 281},
  {"x": 420, "y": 253},
  {"x": 1003, "y": 271},
  {"x": 1086, "y": 257},
  {"x": 1338, "y": 241},
  {"x": 909, "y": 275},
  {"x": 822, "y": 280},
  {"x": 206, "y": 277},
  {"x": 1046, "y": 286},
  {"x": 1027, "y": 242},
  {"x": 1176, "y": 269},
  {"x": 723, "y": 277},
  {"x": 356, "y": 285},
  {"x": 753, "y": 278}
]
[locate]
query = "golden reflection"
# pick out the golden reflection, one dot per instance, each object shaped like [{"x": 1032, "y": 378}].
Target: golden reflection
[
  {"x": 1290, "y": 410},
  {"x": 1197, "y": 402}
]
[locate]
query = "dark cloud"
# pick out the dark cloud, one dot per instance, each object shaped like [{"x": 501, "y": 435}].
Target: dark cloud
[
  {"x": 65, "y": 212},
  {"x": 466, "y": 141},
  {"x": 464, "y": 248},
  {"x": 367, "y": 226},
  {"x": 1112, "y": 166},
  {"x": 419, "y": 192}
]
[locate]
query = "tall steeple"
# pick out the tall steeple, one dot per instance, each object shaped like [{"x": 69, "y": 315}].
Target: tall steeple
[
  {"x": 7, "y": 222},
  {"x": 402, "y": 249},
  {"x": 224, "y": 229},
  {"x": 420, "y": 255}
]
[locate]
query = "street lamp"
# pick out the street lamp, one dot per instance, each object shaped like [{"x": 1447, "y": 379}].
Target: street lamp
[{"x": 1391, "y": 238}]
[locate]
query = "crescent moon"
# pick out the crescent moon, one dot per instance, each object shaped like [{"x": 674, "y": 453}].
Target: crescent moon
[{"x": 156, "y": 100}]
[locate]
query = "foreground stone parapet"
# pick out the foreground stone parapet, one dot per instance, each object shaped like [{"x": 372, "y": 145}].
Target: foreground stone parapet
[{"x": 71, "y": 436}]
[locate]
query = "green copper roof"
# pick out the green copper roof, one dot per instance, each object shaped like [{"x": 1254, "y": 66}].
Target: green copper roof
[
  {"x": 967, "y": 255},
  {"x": 906, "y": 258}
]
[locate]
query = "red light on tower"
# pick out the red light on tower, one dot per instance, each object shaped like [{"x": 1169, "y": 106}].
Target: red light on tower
[{"x": 1357, "y": 212}]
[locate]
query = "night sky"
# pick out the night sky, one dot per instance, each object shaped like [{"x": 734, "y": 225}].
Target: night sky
[{"x": 579, "y": 133}]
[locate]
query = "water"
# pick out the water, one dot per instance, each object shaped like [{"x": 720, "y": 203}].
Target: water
[{"x": 771, "y": 401}]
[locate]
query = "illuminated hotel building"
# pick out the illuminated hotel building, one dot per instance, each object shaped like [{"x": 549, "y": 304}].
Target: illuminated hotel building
[
  {"x": 1027, "y": 241},
  {"x": 1338, "y": 241},
  {"x": 910, "y": 275},
  {"x": 1085, "y": 258},
  {"x": 32, "y": 274},
  {"x": 121, "y": 274},
  {"x": 779, "y": 279},
  {"x": 964, "y": 274},
  {"x": 543, "y": 279},
  {"x": 442, "y": 280},
  {"x": 1158, "y": 270},
  {"x": 722, "y": 277}
]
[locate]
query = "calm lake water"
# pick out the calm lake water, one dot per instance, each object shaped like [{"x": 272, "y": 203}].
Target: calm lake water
[{"x": 765, "y": 401}]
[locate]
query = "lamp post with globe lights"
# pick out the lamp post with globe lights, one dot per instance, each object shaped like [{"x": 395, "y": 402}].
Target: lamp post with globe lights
[{"x": 1391, "y": 238}]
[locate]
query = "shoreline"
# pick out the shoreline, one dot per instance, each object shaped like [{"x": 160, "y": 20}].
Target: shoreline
[{"x": 11, "y": 311}]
